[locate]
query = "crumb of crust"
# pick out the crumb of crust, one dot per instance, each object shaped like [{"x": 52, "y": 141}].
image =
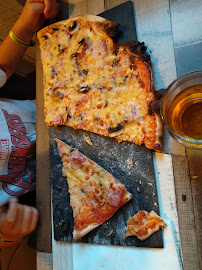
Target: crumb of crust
[
  {"x": 112, "y": 232},
  {"x": 129, "y": 173},
  {"x": 88, "y": 141},
  {"x": 150, "y": 184},
  {"x": 101, "y": 153},
  {"x": 155, "y": 204},
  {"x": 138, "y": 189},
  {"x": 140, "y": 182},
  {"x": 129, "y": 163}
]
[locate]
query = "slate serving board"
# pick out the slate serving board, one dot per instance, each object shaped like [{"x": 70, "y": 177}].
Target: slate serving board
[{"x": 114, "y": 157}]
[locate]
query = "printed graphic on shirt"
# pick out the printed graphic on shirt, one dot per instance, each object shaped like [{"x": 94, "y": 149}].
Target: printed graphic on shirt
[
  {"x": 17, "y": 173},
  {"x": 4, "y": 149}
]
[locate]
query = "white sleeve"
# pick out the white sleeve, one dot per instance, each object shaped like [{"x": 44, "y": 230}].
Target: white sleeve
[{"x": 3, "y": 78}]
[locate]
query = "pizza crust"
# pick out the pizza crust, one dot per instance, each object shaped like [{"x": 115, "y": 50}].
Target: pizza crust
[
  {"x": 138, "y": 49},
  {"x": 106, "y": 25},
  {"x": 78, "y": 235}
]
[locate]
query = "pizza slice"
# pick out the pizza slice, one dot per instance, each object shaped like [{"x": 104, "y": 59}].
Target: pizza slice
[
  {"x": 93, "y": 84},
  {"x": 144, "y": 224},
  {"x": 95, "y": 195}
]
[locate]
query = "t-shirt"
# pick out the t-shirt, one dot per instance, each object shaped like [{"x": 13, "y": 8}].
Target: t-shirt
[{"x": 17, "y": 147}]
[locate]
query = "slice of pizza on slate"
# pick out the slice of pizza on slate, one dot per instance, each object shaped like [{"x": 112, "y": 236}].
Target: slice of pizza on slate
[
  {"x": 95, "y": 195},
  {"x": 144, "y": 224}
]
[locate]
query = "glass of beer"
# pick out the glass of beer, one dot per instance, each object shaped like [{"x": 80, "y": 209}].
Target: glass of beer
[{"x": 181, "y": 109}]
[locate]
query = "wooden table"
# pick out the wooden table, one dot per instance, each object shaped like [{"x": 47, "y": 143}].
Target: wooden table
[{"x": 172, "y": 32}]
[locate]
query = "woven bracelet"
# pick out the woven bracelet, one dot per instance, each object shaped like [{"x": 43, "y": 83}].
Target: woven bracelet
[{"x": 19, "y": 41}]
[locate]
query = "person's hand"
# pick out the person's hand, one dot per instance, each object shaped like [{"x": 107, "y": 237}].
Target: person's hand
[
  {"x": 20, "y": 220},
  {"x": 35, "y": 12}
]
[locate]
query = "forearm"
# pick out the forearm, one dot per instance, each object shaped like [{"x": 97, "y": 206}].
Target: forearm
[{"x": 11, "y": 53}]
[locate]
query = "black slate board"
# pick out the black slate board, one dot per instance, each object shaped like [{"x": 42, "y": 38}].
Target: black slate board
[
  {"x": 124, "y": 15},
  {"x": 114, "y": 157}
]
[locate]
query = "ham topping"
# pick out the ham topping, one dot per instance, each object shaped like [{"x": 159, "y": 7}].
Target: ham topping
[
  {"x": 114, "y": 197},
  {"x": 58, "y": 120},
  {"x": 76, "y": 160},
  {"x": 58, "y": 84}
]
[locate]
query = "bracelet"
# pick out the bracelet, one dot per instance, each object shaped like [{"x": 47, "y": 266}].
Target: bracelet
[
  {"x": 2, "y": 240},
  {"x": 6, "y": 241},
  {"x": 19, "y": 41}
]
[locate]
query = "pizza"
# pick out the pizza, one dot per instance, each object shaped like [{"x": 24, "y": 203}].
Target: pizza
[
  {"x": 144, "y": 224},
  {"x": 95, "y": 195},
  {"x": 93, "y": 84}
]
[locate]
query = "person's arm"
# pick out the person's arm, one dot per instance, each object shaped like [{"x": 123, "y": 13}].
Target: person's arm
[
  {"x": 31, "y": 19},
  {"x": 20, "y": 220}
]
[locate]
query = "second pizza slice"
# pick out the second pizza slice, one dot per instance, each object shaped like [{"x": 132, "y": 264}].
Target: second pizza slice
[{"x": 95, "y": 195}]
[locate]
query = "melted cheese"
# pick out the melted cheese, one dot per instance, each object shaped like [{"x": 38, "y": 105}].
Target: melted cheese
[{"x": 91, "y": 180}]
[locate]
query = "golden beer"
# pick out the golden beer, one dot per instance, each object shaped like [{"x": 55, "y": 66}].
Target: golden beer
[
  {"x": 184, "y": 114},
  {"x": 181, "y": 109}
]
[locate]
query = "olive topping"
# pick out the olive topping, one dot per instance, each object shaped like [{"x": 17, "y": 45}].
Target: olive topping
[
  {"x": 81, "y": 41},
  {"x": 61, "y": 49},
  {"x": 75, "y": 55},
  {"x": 59, "y": 94},
  {"x": 68, "y": 113},
  {"x": 56, "y": 94},
  {"x": 150, "y": 109},
  {"x": 55, "y": 29},
  {"x": 115, "y": 61},
  {"x": 74, "y": 27},
  {"x": 84, "y": 89},
  {"x": 46, "y": 36},
  {"x": 85, "y": 71},
  {"x": 106, "y": 103},
  {"x": 117, "y": 128},
  {"x": 53, "y": 71}
]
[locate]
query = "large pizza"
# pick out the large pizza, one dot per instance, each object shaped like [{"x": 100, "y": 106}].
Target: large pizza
[{"x": 93, "y": 84}]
